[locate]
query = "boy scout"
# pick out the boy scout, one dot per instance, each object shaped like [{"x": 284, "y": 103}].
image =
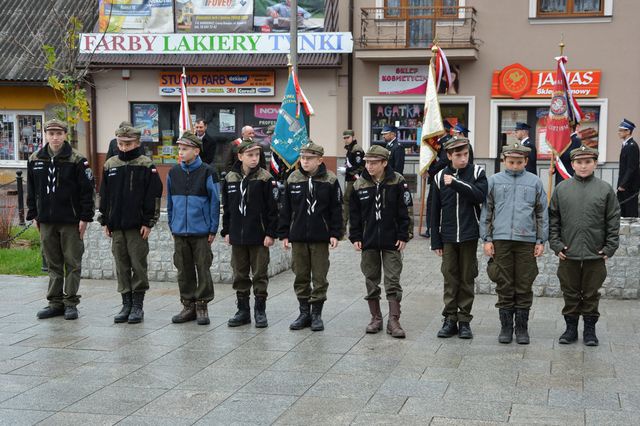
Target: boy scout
[
  {"x": 514, "y": 226},
  {"x": 249, "y": 224},
  {"x": 60, "y": 193},
  {"x": 130, "y": 196},
  {"x": 311, "y": 219},
  {"x": 584, "y": 217},
  {"x": 458, "y": 192},
  {"x": 380, "y": 229},
  {"x": 193, "y": 209},
  {"x": 354, "y": 165}
]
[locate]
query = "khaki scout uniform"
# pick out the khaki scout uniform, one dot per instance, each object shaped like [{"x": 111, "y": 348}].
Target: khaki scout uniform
[{"x": 584, "y": 217}]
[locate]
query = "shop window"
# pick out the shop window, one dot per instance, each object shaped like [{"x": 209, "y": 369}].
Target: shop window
[
  {"x": 570, "y": 8},
  {"x": 20, "y": 134}
]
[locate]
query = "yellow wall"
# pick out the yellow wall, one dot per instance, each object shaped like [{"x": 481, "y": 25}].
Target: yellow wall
[{"x": 36, "y": 98}]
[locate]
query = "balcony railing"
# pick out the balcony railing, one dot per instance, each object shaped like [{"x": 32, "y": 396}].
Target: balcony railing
[{"x": 416, "y": 27}]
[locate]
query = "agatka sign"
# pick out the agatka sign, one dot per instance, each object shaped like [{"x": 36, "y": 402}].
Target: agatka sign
[{"x": 516, "y": 81}]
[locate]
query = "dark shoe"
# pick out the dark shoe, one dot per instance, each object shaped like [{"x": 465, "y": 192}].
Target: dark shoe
[
  {"x": 464, "y": 330},
  {"x": 589, "y": 333},
  {"x": 522, "y": 324},
  {"x": 316, "y": 316},
  {"x": 426, "y": 234},
  {"x": 123, "y": 315},
  {"x": 243, "y": 316},
  {"x": 202, "y": 312},
  {"x": 506, "y": 325},
  {"x": 449, "y": 328},
  {"x": 393, "y": 323},
  {"x": 375, "y": 325},
  {"x": 137, "y": 314},
  {"x": 70, "y": 313},
  {"x": 50, "y": 312},
  {"x": 304, "y": 319},
  {"x": 188, "y": 312},
  {"x": 570, "y": 335},
  {"x": 259, "y": 312}
]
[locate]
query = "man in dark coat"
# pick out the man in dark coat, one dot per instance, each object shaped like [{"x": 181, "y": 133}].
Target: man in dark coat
[
  {"x": 522, "y": 134},
  {"x": 396, "y": 158},
  {"x": 629, "y": 175},
  {"x": 208, "y": 153}
]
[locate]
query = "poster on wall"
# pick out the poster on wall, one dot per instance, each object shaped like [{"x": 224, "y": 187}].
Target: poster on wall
[
  {"x": 275, "y": 15},
  {"x": 214, "y": 16},
  {"x": 402, "y": 80},
  {"x": 145, "y": 118},
  {"x": 135, "y": 16}
]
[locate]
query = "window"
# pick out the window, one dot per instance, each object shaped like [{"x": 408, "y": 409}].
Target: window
[
  {"x": 20, "y": 134},
  {"x": 570, "y": 8}
]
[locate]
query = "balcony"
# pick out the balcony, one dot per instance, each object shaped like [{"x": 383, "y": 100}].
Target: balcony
[{"x": 392, "y": 33}]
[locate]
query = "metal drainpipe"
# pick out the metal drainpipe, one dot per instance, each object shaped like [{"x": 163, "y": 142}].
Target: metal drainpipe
[{"x": 350, "y": 74}]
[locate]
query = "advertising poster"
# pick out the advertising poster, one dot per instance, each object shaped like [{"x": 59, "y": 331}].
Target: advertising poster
[
  {"x": 275, "y": 15},
  {"x": 219, "y": 83},
  {"x": 136, "y": 16},
  {"x": 402, "y": 80},
  {"x": 214, "y": 16},
  {"x": 145, "y": 118}
]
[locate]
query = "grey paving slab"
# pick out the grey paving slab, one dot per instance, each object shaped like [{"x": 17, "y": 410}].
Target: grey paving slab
[
  {"x": 386, "y": 404},
  {"x": 157, "y": 376},
  {"x": 364, "y": 419},
  {"x": 154, "y": 421},
  {"x": 115, "y": 400},
  {"x": 281, "y": 383},
  {"x": 602, "y": 400},
  {"x": 183, "y": 404},
  {"x": 306, "y": 361},
  {"x": 49, "y": 368},
  {"x": 321, "y": 411},
  {"x": 424, "y": 388},
  {"x": 361, "y": 385},
  {"x": 609, "y": 418},
  {"x": 486, "y": 411},
  {"x": 10, "y": 365},
  {"x": 222, "y": 379},
  {"x": 630, "y": 401},
  {"x": 492, "y": 392},
  {"x": 50, "y": 396},
  {"x": 244, "y": 408},
  {"x": 80, "y": 419},
  {"x": 22, "y": 417},
  {"x": 545, "y": 415},
  {"x": 326, "y": 344},
  {"x": 253, "y": 359},
  {"x": 444, "y": 421}
]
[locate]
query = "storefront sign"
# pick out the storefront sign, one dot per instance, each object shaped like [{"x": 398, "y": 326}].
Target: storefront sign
[
  {"x": 214, "y": 16},
  {"x": 148, "y": 16},
  {"x": 171, "y": 44},
  {"x": 402, "y": 79},
  {"x": 516, "y": 81},
  {"x": 219, "y": 83},
  {"x": 275, "y": 15}
]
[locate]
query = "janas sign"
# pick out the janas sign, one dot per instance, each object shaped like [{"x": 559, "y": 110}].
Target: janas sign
[
  {"x": 516, "y": 81},
  {"x": 214, "y": 43}
]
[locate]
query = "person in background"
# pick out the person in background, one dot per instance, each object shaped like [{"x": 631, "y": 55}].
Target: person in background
[
  {"x": 208, "y": 153},
  {"x": 522, "y": 134}
]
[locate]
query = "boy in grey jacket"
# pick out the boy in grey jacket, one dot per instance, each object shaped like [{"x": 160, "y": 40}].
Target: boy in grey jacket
[
  {"x": 584, "y": 226},
  {"x": 514, "y": 226}
]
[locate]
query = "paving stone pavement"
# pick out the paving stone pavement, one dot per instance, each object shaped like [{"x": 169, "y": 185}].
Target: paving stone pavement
[{"x": 92, "y": 371}]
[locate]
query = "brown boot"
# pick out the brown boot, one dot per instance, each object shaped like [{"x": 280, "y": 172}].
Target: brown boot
[
  {"x": 393, "y": 323},
  {"x": 376, "y": 316},
  {"x": 202, "y": 313},
  {"x": 188, "y": 312}
]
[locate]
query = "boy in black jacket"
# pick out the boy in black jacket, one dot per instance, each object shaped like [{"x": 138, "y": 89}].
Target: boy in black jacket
[
  {"x": 458, "y": 193},
  {"x": 380, "y": 228},
  {"x": 130, "y": 196},
  {"x": 249, "y": 222},
  {"x": 311, "y": 219}
]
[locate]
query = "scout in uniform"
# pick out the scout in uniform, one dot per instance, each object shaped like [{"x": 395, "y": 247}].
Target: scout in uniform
[
  {"x": 130, "y": 196},
  {"x": 629, "y": 173},
  {"x": 249, "y": 222},
  {"x": 380, "y": 229},
  {"x": 193, "y": 209},
  {"x": 354, "y": 165},
  {"x": 438, "y": 164},
  {"x": 311, "y": 219},
  {"x": 514, "y": 226},
  {"x": 522, "y": 134},
  {"x": 60, "y": 201},
  {"x": 459, "y": 191},
  {"x": 584, "y": 223}
]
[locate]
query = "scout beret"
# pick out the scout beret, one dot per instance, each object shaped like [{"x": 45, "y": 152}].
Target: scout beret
[
  {"x": 123, "y": 124},
  {"x": 348, "y": 132},
  {"x": 247, "y": 145},
  {"x": 55, "y": 124},
  {"x": 127, "y": 134},
  {"x": 583, "y": 152},
  {"x": 312, "y": 148},
  {"x": 516, "y": 148},
  {"x": 190, "y": 139},
  {"x": 455, "y": 142},
  {"x": 377, "y": 152}
]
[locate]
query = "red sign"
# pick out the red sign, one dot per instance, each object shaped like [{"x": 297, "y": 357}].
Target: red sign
[{"x": 516, "y": 81}]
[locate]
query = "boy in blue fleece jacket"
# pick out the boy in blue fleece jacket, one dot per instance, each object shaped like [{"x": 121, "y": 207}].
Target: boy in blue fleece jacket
[{"x": 193, "y": 206}]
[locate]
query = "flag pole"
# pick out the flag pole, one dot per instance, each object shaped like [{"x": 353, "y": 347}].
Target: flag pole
[
  {"x": 552, "y": 167},
  {"x": 293, "y": 36}
]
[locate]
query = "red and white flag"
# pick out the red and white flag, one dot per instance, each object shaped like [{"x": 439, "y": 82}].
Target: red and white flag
[
  {"x": 185, "y": 116},
  {"x": 432, "y": 127},
  {"x": 301, "y": 99}
]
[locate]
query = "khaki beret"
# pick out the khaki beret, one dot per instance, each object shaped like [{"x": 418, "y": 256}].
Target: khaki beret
[
  {"x": 312, "y": 148},
  {"x": 583, "y": 152},
  {"x": 516, "y": 149},
  {"x": 190, "y": 139},
  {"x": 55, "y": 124},
  {"x": 455, "y": 142},
  {"x": 247, "y": 145},
  {"x": 127, "y": 134},
  {"x": 377, "y": 152}
]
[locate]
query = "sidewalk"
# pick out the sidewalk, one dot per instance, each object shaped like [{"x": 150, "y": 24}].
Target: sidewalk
[{"x": 91, "y": 371}]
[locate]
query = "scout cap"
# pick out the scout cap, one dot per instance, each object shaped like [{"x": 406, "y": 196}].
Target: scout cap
[
  {"x": 190, "y": 139},
  {"x": 127, "y": 134},
  {"x": 55, "y": 124},
  {"x": 376, "y": 152},
  {"x": 455, "y": 142},
  {"x": 516, "y": 149},
  {"x": 312, "y": 148},
  {"x": 247, "y": 145},
  {"x": 522, "y": 126},
  {"x": 626, "y": 124},
  {"x": 388, "y": 129},
  {"x": 123, "y": 124},
  {"x": 348, "y": 132},
  {"x": 583, "y": 152}
]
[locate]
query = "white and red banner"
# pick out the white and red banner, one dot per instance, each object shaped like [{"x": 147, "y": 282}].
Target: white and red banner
[
  {"x": 432, "y": 127},
  {"x": 185, "y": 116}
]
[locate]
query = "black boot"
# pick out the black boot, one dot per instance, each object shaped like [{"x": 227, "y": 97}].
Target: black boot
[
  {"x": 70, "y": 313},
  {"x": 243, "y": 316},
  {"x": 304, "y": 319},
  {"x": 449, "y": 328},
  {"x": 464, "y": 330},
  {"x": 589, "y": 333},
  {"x": 506, "y": 325},
  {"x": 137, "y": 314},
  {"x": 50, "y": 312},
  {"x": 570, "y": 335},
  {"x": 316, "y": 316},
  {"x": 123, "y": 315},
  {"x": 522, "y": 323},
  {"x": 259, "y": 313}
]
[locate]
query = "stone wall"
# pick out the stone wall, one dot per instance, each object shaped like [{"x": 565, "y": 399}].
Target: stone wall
[
  {"x": 623, "y": 269},
  {"x": 97, "y": 262}
]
